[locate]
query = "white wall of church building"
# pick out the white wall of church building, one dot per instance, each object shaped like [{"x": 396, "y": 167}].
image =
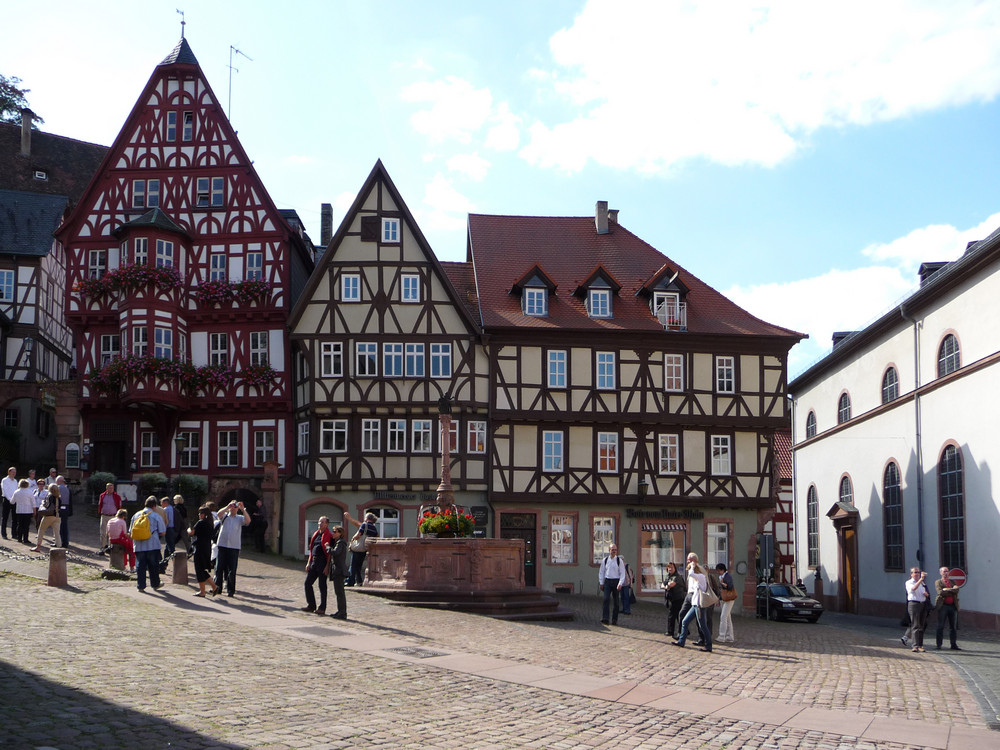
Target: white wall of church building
[{"x": 958, "y": 411}]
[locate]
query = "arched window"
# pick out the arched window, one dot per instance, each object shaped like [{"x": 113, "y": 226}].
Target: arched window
[
  {"x": 846, "y": 491},
  {"x": 951, "y": 494},
  {"x": 811, "y": 425},
  {"x": 844, "y": 409},
  {"x": 892, "y": 517},
  {"x": 949, "y": 357},
  {"x": 890, "y": 385},
  {"x": 812, "y": 526}
]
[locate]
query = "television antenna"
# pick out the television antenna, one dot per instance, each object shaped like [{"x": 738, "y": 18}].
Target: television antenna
[{"x": 233, "y": 50}]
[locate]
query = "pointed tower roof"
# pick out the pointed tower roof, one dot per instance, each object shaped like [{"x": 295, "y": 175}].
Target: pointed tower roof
[{"x": 181, "y": 55}]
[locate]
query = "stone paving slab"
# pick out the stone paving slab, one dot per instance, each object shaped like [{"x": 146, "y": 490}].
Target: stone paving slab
[
  {"x": 646, "y": 695},
  {"x": 829, "y": 720},
  {"x": 912, "y": 733},
  {"x": 751, "y": 709}
]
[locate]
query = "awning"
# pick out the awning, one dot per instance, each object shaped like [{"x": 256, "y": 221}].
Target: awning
[{"x": 664, "y": 527}]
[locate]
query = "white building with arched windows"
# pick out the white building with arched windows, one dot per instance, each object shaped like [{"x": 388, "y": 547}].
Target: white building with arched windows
[{"x": 896, "y": 453}]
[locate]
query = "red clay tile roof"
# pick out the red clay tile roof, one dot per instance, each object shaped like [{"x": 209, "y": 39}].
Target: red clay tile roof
[
  {"x": 68, "y": 164},
  {"x": 464, "y": 281},
  {"x": 504, "y": 248},
  {"x": 783, "y": 452}
]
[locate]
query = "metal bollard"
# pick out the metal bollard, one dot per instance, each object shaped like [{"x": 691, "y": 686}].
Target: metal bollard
[
  {"x": 180, "y": 568},
  {"x": 57, "y": 567}
]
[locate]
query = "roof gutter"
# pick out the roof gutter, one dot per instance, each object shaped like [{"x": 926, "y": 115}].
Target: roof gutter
[{"x": 917, "y": 431}]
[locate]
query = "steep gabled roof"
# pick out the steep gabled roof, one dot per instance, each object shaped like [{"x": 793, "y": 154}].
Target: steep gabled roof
[
  {"x": 155, "y": 219},
  {"x": 379, "y": 174},
  {"x": 27, "y": 221},
  {"x": 68, "y": 164},
  {"x": 180, "y": 55},
  {"x": 569, "y": 248}
]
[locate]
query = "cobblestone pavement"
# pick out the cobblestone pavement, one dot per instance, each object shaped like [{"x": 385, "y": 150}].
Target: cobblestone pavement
[{"x": 97, "y": 665}]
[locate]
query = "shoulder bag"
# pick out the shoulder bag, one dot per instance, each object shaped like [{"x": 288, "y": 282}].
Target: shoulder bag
[
  {"x": 728, "y": 595},
  {"x": 707, "y": 598},
  {"x": 358, "y": 542}
]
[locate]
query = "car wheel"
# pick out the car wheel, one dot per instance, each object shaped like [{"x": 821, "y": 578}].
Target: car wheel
[{"x": 774, "y": 615}]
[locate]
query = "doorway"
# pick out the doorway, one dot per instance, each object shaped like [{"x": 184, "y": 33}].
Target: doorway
[{"x": 523, "y": 526}]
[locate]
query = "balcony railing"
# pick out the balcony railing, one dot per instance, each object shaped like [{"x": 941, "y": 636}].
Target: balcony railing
[{"x": 672, "y": 315}]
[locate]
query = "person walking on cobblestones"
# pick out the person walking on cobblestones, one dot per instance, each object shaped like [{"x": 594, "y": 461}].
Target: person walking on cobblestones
[
  {"x": 697, "y": 582},
  {"x": 147, "y": 551},
  {"x": 946, "y": 604},
  {"x": 24, "y": 508},
  {"x": 9, "y": 486},
  {"x": 917, "y": 597},
  {"x": 202, "y": 543},
  {"x": 318, "y": 566},
  {"x": 611, "y": 577},
  {"x": 65, "y": 509},
  {"x": 48, "y": 512},
  {"x": 232, "y": 519},
  {"x": 108, "y": 504},
  {"x": 675, "y": 589},
  {"x": 366, "y": 530},
  {"x": 726, "y": 634},
  {"x": 338, "y": 565}
]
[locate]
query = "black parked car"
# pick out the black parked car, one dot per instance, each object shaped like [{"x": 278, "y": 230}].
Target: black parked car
[{"x": 783, "y": 601}]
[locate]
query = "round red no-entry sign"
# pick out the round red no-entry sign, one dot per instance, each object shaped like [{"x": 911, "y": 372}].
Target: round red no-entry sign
[{"x": 957, "y": 576}]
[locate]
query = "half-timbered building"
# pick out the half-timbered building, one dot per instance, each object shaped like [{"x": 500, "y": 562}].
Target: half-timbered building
[
  {"x": 630, "y": 402},
  {"x": 181, "y": 274},
  {"x": 381, "y": 334}
]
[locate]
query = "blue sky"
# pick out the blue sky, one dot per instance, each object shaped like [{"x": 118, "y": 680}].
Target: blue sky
[{"x": 800, "y": 157}]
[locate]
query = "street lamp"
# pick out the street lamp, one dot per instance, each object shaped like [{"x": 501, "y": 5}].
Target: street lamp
[
  {"x": 643, "y": 490},
  {"x": 180, "y": 442}
]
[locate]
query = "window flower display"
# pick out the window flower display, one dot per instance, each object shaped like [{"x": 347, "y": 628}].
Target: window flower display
[{"x": 446, "y": 523}]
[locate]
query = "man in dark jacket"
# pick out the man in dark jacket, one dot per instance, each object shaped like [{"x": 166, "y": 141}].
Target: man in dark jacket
[{"x": 338, "y": 569}]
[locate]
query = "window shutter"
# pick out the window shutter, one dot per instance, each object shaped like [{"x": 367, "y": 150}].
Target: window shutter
[{"x": 369, "y": 228}]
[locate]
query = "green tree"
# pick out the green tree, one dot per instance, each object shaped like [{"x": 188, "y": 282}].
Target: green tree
[{"x": 12, "y": 101}]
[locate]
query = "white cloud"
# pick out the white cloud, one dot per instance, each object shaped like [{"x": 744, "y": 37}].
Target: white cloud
[
  {"x": 505, "y": 134},
  {"x": 456, "y": 110},
  {"x": 444, "y": 208},
  {"x": 472, "y": 166},
  {"x": 741, "y": 84},
  {"x": 848, "y": 300}
]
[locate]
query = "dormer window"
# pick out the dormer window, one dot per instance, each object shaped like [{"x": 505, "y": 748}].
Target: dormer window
[
  {"x": 668, "y": 310},
  {"x": 599, "y": 303},
  {"x": 536, "y": 301},
  {"x": 390, "y": 230}
]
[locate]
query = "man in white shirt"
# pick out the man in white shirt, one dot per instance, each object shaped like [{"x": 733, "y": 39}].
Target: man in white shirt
[
  {"x": 611, "y": 577},
  {"x": 8, "y": 485}
]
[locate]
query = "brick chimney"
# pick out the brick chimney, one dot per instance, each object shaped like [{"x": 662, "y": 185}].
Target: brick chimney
[
  {"x": 325, "y": 224},
  {"x": 27, "y": 117},
  {"x": 601, "y": 217}
]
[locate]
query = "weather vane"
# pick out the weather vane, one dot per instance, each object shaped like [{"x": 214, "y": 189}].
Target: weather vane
[
  {"x": 182, "y": 21},
  {"x": 233, "y": 49}
]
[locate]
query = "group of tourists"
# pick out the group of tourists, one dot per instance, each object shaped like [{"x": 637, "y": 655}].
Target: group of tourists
[
  {"x": 35, "y": 504},
  {"x": 919, "y": 605},
  {"x": 689, "y": 599},
  {"x": 328, "y": 561}
]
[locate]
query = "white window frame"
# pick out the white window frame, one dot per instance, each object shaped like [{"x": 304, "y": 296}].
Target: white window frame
[
  {"x": 371, "y": 435},
  {"x": 217, "y": 267},
  {"x": 350, "y": 287},
  {"x": 366, "y": 359},
  {"x": 6, "y": 285},
  {"x": 140, "y": 340},
  {"x": 477, "y": 436},
  {"x": 331, "y": 359},
  {"x": 599, "y": 303},
  {"x": 395, "y": 436},
  {"x": 602, "y": 537},
  {"x": 673, "y": 373},
  {"x": 670, "y": 454},
  {"x": 111, "y": 347},
  {"x": 302, "y": 443},
  {"x": 390, "y": 231},
  {"x": 190, "y": 454},
  {"x": 263, "y": 446},
  {"x": 553, "y": 451},
  {"x": 422, "y": 436},
  {"x": 218, "y": 192},
  {"x": 138, "y": 193},
  {"x": 149, "y": 450},
  {"x": 562, "y": 550},
  {"x": 607, "y": 453},
  {"x": 536, "y": 301},
  {"x": 392, "y": 360},
  {"x": 717, "y": 548},
  {"x": 218, "y": 349},
  {"x": 187, "y": 126},
  {"x": 725, "y": 374},
  {"x": 558, "y": 359},
  {"x": 259, "y": 347},
  {"x": 97, "y": 263},
  {"x": 722, "y": 452},
  {"x": 164, "y": 254},
  {"x": 453, "y": 437},
  {"x": 163, "y": 343},
  {"x": 605, "y": 376},
  {"x": 254, "y": 267},
  {"x": 229, "y": 448},
  {"x": 152, "y": 193},
  {"x": 171, "y": 127},
  {"x": 441, "y": 360},
  {"x": 140, "y": 251},
  {"x": 333, "y": 436},
  {"x": 409, "y": 288},
  {"x": 414, "y": 360}
]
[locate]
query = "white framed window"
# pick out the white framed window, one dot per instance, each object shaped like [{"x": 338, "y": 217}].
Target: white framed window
[
  {"x": 606, "y": 371},
  {"x": 203, "y": 191},
  {"x": 673, "y": 372},
  {"x": 217, "y": 268},
  {"x": 187, "y": 133},
  {"x": 390, "y": 230},
  {"x": 667, "y": 309},
  {"x": 477, "y": 436},
  {"x": 371, "y": 435},
  {"x": 140, "y": 340},
  {"x": 599, "y": 303},
  {"x": 211, "y": 191},
  {"x": 392, "y": 360},
  {"x": 331, "y": 359},
  {"x": 333, "y": 435},
  {"x": 670, "y": 454},
  {"x": 163, "y": 343},
  {"x": 255, "y": 266},
  {"x": 123, "y": 254},
  {"x": 453, "y": 437},
  {"x": 171, "y": 126},
  {"x": 366, "y": 359},
  {"x": 440, "y": 360},
  {"x": 138, "y": 193},
  {"x": 725, "y": 374},
  {"x": 562, "y": 527},
  {"x": 387, "y": 521},
  {"x": 153, "y": 193},
  {"x": 536, "y": 301},
  {"x": 395, "y": 436},
  {"x": 229, "y": 452},
  {"x": 263, "y": 447},
  {"x": 111, "y": 346},
  {"x": 149, "y": 449},
  {"x": 190, "y": 456},
  {"x": 721, "y": 455},
  {"x": 422, "y": 438},
  {"x": 552, "y": 450},
  {"x": 258, "y": 347},
  {"x": 350, "y": 287},
  {"x": 302, "y": 444},
  {"x": 414, "y": 360},
  {"x": 410, "y": 290},
  {"x": 218, "y": 349},
  {"x": 164, "y": 254},
  {"x": 557, "y": 369},
  {"x": 97, "y": 263},
  {"x": 607, "y": 452},
  {"x": 141, "y": 250},
  {"x": 717, "y": 549},
  {"x": 7, "y": 285},
  {"x": 602, "y": 537}
]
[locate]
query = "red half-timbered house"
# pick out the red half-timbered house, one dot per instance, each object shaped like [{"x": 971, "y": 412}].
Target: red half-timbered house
[{"x": 181, "y": 274}]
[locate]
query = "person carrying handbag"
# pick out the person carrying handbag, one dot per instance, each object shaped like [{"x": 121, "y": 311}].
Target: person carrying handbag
[
  {"x": 702, "y": 597},
  {"x": 367, "y": 530},
  {"x": 728, "y": 597}
]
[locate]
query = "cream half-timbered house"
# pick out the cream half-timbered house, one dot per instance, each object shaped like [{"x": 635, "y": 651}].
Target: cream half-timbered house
[
  {"x": 382, "y": 332},
  {"x": 630, "y": 402},
  {"x": 181, "y": 273}
]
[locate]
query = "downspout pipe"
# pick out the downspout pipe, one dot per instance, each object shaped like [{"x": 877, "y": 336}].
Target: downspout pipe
[{"x": 917, "y": 429}]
